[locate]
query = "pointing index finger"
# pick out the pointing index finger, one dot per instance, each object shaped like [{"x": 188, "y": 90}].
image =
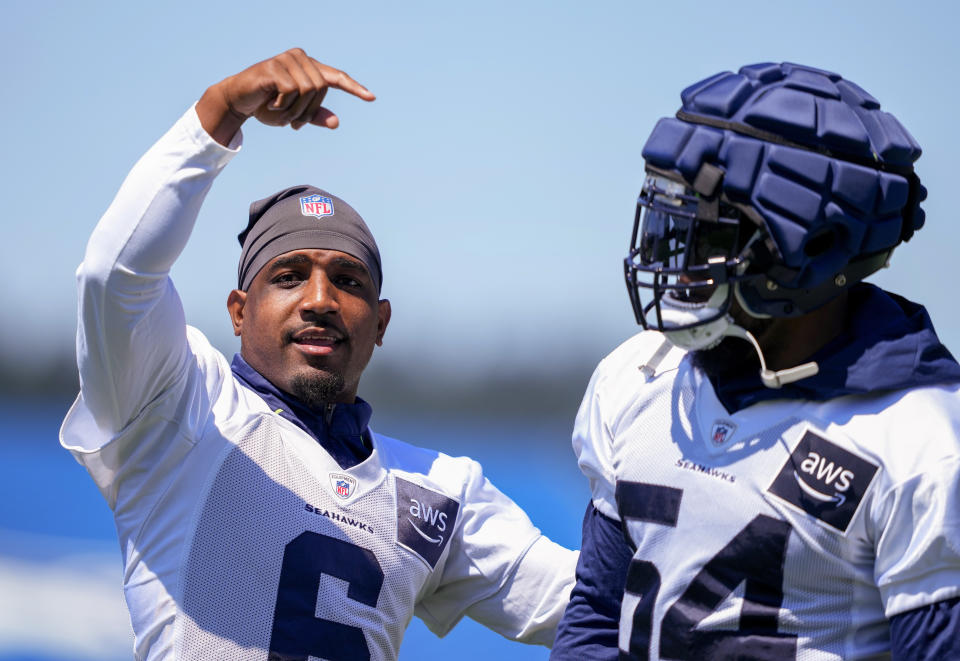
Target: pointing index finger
[{"x": 342, "y": 81}]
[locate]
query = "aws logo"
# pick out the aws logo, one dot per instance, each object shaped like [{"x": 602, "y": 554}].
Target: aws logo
[
  {"x": 824, "y": 480},
  {"x": 425, "y": 519},
  {"x": 825, "y": 474},
  {"x": 427, "y": 516}
]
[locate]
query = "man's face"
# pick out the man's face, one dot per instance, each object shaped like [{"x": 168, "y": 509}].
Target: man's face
[{"x": 309, "y": 322}]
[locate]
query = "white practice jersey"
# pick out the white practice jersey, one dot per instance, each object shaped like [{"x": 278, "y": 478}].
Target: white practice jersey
[
  {"x": 241, "y": 537},
  {"x": 791, "y": 529}
]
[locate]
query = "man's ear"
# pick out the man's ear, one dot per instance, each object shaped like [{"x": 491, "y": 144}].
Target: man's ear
[
  {"x": 383, "y": 318},
  {"x": 235, "y": 302}
]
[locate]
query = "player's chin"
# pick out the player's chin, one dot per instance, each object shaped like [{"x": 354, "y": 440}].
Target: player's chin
[{"x": 317, "y": 387}]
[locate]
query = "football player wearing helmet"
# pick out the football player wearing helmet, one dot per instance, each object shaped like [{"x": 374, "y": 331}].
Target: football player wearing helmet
[{"x": 774, "y": 461}]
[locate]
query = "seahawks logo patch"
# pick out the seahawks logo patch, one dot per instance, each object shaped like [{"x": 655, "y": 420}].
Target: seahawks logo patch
[
  {"x": 425, "y": 520},
  {"x": 824, "y": 480}
]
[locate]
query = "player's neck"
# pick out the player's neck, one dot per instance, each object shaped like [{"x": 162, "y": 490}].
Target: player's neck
[{"x": 787, "y": 342}]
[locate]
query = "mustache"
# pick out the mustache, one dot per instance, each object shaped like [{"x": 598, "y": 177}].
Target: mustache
[{"x": 329, "y": 325}]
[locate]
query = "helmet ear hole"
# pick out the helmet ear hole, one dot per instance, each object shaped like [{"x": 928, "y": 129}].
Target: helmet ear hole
[{"x": 820, "y": 242}]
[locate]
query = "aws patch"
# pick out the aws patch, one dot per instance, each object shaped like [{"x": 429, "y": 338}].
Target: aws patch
[
  {"x": 824, "y": 480},
  {"x": 425, "y": 520}
]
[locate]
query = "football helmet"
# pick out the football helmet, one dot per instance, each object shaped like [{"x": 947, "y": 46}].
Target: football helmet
[{"x": 778, "y": 186}]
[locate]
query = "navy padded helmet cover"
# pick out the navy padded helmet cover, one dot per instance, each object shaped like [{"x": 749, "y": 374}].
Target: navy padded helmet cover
[{"x": 808, "y": 150}]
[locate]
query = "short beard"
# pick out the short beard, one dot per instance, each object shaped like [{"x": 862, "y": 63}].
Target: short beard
[{"x": 317, "y": 389}]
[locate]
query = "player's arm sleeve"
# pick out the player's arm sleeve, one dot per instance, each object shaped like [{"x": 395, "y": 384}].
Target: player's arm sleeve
[
  {"x": 926, "y": 633},
  {"x": 917, "y": 528},
  {"x": 593, "y": 447},
  {"x": 500, "y": 571},
  {"x": 590, "y": 625},
  {"x": 131, "y": 338}
]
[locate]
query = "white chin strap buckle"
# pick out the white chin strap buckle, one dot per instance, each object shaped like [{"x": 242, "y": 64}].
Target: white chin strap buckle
[{"x": 776, "y": 379}]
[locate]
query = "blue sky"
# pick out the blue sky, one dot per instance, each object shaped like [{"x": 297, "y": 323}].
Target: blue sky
[{"x": 498, "y": 168}]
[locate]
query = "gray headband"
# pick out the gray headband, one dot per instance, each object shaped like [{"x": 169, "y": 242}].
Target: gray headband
[{"x": 303, "y": 218}]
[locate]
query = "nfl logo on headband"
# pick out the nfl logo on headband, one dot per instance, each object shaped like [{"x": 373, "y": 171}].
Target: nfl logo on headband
[{"x": 316, "y": 205}]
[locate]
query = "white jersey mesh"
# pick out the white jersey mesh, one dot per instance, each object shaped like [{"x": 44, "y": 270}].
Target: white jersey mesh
[
  {"x": 255, "y": 506},
  {"x": 791, "y": 529},
  {"x": 825, "y": 584}
]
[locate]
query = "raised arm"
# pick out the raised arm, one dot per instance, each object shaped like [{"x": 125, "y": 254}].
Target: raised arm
[{"x": 132, "y": 339}]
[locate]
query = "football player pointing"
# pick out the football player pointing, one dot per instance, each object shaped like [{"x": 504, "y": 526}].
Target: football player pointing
[
  {"x": 774, "y": 461},
  {"x": 258, "y": 515}
]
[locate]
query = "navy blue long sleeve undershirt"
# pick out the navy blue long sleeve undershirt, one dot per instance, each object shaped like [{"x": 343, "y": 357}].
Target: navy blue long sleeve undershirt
[{"x": 590, "y": 625}]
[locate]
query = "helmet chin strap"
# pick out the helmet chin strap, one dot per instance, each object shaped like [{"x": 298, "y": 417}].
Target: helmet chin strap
[
  {"x": 708, "y": 335},
  {"x": 773, "y": 379},
  {"x": 694, "y": 326}
]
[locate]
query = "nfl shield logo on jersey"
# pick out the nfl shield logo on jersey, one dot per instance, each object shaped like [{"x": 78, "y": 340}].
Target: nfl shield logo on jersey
[
  {"x": 343, "y": 485},
  {"x": 316, "y": 205},
  {"x": 722, "y": 430}
]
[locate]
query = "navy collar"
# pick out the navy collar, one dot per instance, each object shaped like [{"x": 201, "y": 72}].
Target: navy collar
[
  {"x": 889, "y": 344},
  {"x": 342, "y": 429}
]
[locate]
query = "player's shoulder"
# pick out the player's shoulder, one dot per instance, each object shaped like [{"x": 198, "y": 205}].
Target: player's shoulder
[
  {"x": 184, "y": 401},
  {"x": 938, "y": 401},
  {"x": 426, "y": 467},
  {"x": 645, "y": 357},
  {"x": 206, "y": 355},
  {"x": 212, "y": 374},
  {"x": 648, "y": 351},
  {"x": 645, "y": 360},
  {"x": 910, "y": 431},
  {"x": 933, "y": 408},
  {"x": 929, "y": 412}
]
